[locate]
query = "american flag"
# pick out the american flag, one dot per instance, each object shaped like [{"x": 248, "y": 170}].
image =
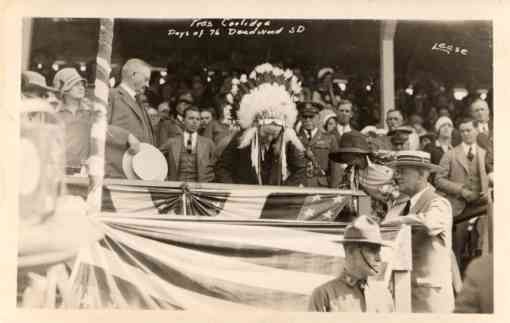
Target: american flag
[
  {"x": 234, "y": 253},
  {"x": 219, "y": 200}
]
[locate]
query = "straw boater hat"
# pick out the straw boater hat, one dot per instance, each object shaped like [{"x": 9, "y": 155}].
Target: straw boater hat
[
  {"x": 364, "y": 230},
  {"x": 350, "y": 142},
  {"x": 148, "y": 164},
  {"x": 414, "y": 158}
]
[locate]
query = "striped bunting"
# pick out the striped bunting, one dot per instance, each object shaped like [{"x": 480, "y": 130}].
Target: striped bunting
[
  {"x": 172, "y": 263},
  {"x": 221, "y": 201}
]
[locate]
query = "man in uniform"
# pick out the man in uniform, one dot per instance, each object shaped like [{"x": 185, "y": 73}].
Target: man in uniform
[
  {"x": 320, "y": 171},
  {"x": 351, "y": 292},
  {"x": 430, "y": 216}
]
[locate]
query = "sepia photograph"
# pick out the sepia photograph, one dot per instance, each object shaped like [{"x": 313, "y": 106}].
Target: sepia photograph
[{"x": 256, "y": 164}]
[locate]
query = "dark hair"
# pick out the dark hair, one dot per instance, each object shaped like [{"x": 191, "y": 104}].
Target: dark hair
[
  {"x": 464, "y": 120},
  {"x": 211, "y": 110},
  {"x": 395, "y": 110},
  {"x": 192, "y": 108}
]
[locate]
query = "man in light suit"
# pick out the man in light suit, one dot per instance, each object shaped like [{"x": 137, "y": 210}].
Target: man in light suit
[
  {"x": 430, "y": 216},
  {"x": 190, "y": 157},
  {"x": 464, "y": 180},
  {"x": 127, "y": 114}
]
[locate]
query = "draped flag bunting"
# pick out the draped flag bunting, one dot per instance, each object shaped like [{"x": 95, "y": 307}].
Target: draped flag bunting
[
  {"x": 236, "y": 248},
  {"x": 220, "y": 200},
  {"x": 172, "y": 263}
]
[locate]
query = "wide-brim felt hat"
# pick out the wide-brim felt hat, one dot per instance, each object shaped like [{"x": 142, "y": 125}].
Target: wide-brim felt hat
[
  {"x": 414, "y": 158},
  {"x": 148, "y": 164},
  {"x": 364, "y": 230},
  {"x": 350, "y": 142}
]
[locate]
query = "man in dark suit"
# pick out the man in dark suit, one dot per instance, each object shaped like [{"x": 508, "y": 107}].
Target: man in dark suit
[
  {"x": 174, "y": 126},
  {"x": 464, "y": 180},
  {"x": 126, "y": 113},
  {"x": 480, "y": 112},
  {"x": 210, "y": 127},
  {"x": 190, "y": 156},
  {"x": 235, "y": 164}
]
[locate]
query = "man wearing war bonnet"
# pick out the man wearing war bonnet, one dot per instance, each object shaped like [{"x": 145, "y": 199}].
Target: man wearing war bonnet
[{"x": 267, "y": 150}]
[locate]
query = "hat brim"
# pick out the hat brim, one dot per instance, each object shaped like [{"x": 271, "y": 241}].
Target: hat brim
[
  {"x": 41, "y": 87},
  {"x": 135, "y": 167},
  {"x": 376, "y": 242},
  {"x": 431, "y": 167},
  {"x": 72, "y": 83},
  {"x": 394, "y": 132},
  {"x": 338, "y": 156}
]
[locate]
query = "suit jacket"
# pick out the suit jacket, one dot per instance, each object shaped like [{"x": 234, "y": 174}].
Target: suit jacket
[
  {"x": 455, "y": 175},
  {"x": 431, "y": 219},
  {"x": 205, "y": 158},
  {"x": 320, "y": 146},
  {"x": 128, "y": 118},
  {"x": 169, "y": 128},
  {"x": 234, "y": 166},
  {"x": 214, "y": 131},
  {"x": 477, "y": 295}
]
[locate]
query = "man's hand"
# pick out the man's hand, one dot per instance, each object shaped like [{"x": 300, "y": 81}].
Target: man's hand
[
  {"x": 468, "y": 195},
  {"x": 134, "y": 145}
]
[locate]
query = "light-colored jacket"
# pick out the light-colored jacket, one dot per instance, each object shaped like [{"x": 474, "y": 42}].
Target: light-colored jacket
[
  {"x": 431, "y": 219},
  {"x": 456, "y": 174}
]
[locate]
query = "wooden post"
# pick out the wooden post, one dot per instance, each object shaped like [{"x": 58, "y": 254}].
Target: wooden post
[
  {"x": 99, "y": 126},
  {"x": 402, "y": 268},
  {"x": 364, "y": 205},
  {"x": 27, "y": 28},
  {"x": 387, "y": 69}
]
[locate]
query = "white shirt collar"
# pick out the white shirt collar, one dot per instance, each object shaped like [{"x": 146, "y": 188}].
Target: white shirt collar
[
  {"x": 129, "y": 90},
  {"x": 343, "y": 129},
  {"x": 313, "y": 132},
  {"x": 484, "y": 127},
  {"x": 465, "y": 147},
  {"x": 417, "y": 196},
  {"x": 193, "y": 139},
  {"x": 180, "y": 118}
]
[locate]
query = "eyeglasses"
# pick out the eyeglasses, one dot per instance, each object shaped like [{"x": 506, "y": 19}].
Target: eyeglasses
[{"x": 308, "y": 117}]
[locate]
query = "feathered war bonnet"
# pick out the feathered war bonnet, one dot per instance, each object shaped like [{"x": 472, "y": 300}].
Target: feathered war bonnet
[{"x": 267, "y": 96}]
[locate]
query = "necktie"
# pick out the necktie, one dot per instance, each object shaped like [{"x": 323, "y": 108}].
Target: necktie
[
  {"x": 309, "y": 134},
  {"x": 407, "y": 208},
  {"x": 470, "y": 155},
  {"x": 145, "y": 117},
  {"x": 189, "y": 144},
  {"x": 362, "y": 284}
]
